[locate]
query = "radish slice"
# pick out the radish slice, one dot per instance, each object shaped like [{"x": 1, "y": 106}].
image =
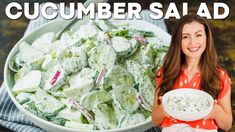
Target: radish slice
[
  {"x": 82, "y": 109},
  {"x": 140, "y": 39},
  {"x": 142, "y": 102},
  {"x": 55, "y": 77},
  {"x": 101, "y": 76}
]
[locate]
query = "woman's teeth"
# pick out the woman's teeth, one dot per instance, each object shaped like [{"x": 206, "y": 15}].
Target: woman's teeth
[{"x": 193, "y": 49}]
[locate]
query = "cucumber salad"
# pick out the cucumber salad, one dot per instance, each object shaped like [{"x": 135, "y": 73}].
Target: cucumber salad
[
  {"x": 186, "y": 103},
  {"x": 97, "y": 77}
]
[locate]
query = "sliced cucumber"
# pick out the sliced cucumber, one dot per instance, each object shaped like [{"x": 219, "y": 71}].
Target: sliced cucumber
[
  {"x": 125, "y": 97},
  {"x": 119, "y": 113},
  {"x": 88, "y": 73},
  {"x": 37, "y": 63},
  {"x": 71, "y": 114},
  {"x": 29, "y": 83},
  {"x": 67, "y": 40},
  {"x": 134, "y": 47},
  {"x": 47, "y": 103},
  {"x": 103, "y": 26},
  {"x": 44, "y": 42},
  {"x": 137, "y": 56},
  {"x": 72, "y": 65},
  {"x": 148, "y": 55},
  {"x": 87, "y": 31},
  {"x": 146, "y": 87},
  {"x": 118, "y": 75},
  {"x": 87, "y": 44},
  {"x": 103, "y": 38},
  {"x": 58, "y": 94},
  {"x": 130, "y": 120},
  {"x": 23, "y": 97},
  {"x": 28, "y": 53},
  {"x": 121, "y": 46},
  {"x": 78, "y": 87},
  {"x": 104, "y": 117},
  {"x": 18, "y": 61},
  {"x": 147, "y": 90},
  {"x": 48, "y": 62},
  {"x": 72, "y": 59},
  {"x": 106, "y": 25},
  {"x": 22, "y": 72},
  {"x": 159, "y": 59},
  {"x": 101, "y": 56},
  {"x": 135, "y": 69},
  {"x": 93, "y": 98}
]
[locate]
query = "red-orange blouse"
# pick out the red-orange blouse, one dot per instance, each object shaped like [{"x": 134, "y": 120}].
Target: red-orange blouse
[{"x": 195, "y": 83}]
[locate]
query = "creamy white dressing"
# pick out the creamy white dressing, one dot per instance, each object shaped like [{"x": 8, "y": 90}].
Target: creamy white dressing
[{"x": 89, "y": 78}]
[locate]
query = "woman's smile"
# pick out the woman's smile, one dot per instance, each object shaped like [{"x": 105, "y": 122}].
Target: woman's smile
[{"x": 194, "y": 49}]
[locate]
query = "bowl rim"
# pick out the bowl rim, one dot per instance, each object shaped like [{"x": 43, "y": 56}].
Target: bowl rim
[{"x": 30, "y": 115}]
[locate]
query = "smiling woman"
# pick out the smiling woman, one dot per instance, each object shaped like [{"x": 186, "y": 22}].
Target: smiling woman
[{"x": 191, "y": 62}]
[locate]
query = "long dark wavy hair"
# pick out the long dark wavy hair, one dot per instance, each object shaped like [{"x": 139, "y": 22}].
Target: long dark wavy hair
[{"x": 175, "y": 59}]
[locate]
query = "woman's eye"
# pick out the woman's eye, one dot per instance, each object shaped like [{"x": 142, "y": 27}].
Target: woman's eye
[
  {"x": 198, "y": 35},
  {"x": 185, "y": 37}
]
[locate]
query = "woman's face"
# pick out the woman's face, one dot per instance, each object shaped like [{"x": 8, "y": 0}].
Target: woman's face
[{"x": 193, "y": 41}]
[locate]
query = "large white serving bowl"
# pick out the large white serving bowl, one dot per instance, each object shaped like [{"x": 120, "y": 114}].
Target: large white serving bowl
[
  {"x": 189, "y": 92},
  {"x": 55, "y": 26}
]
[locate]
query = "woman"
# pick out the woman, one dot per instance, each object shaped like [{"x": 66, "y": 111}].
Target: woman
[{"x": 191, "y": 62}]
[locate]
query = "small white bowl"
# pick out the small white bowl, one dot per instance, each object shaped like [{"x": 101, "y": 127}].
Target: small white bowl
[{"x": 184, "y": 115}]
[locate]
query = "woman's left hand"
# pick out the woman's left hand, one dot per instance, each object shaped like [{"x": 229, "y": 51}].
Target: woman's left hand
[{"x": 215, "y": 110}]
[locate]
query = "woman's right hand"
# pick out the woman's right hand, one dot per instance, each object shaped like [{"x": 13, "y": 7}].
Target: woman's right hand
[
  {"x": 167, "y": 115},
  {"x": 158, "y": 114}
]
